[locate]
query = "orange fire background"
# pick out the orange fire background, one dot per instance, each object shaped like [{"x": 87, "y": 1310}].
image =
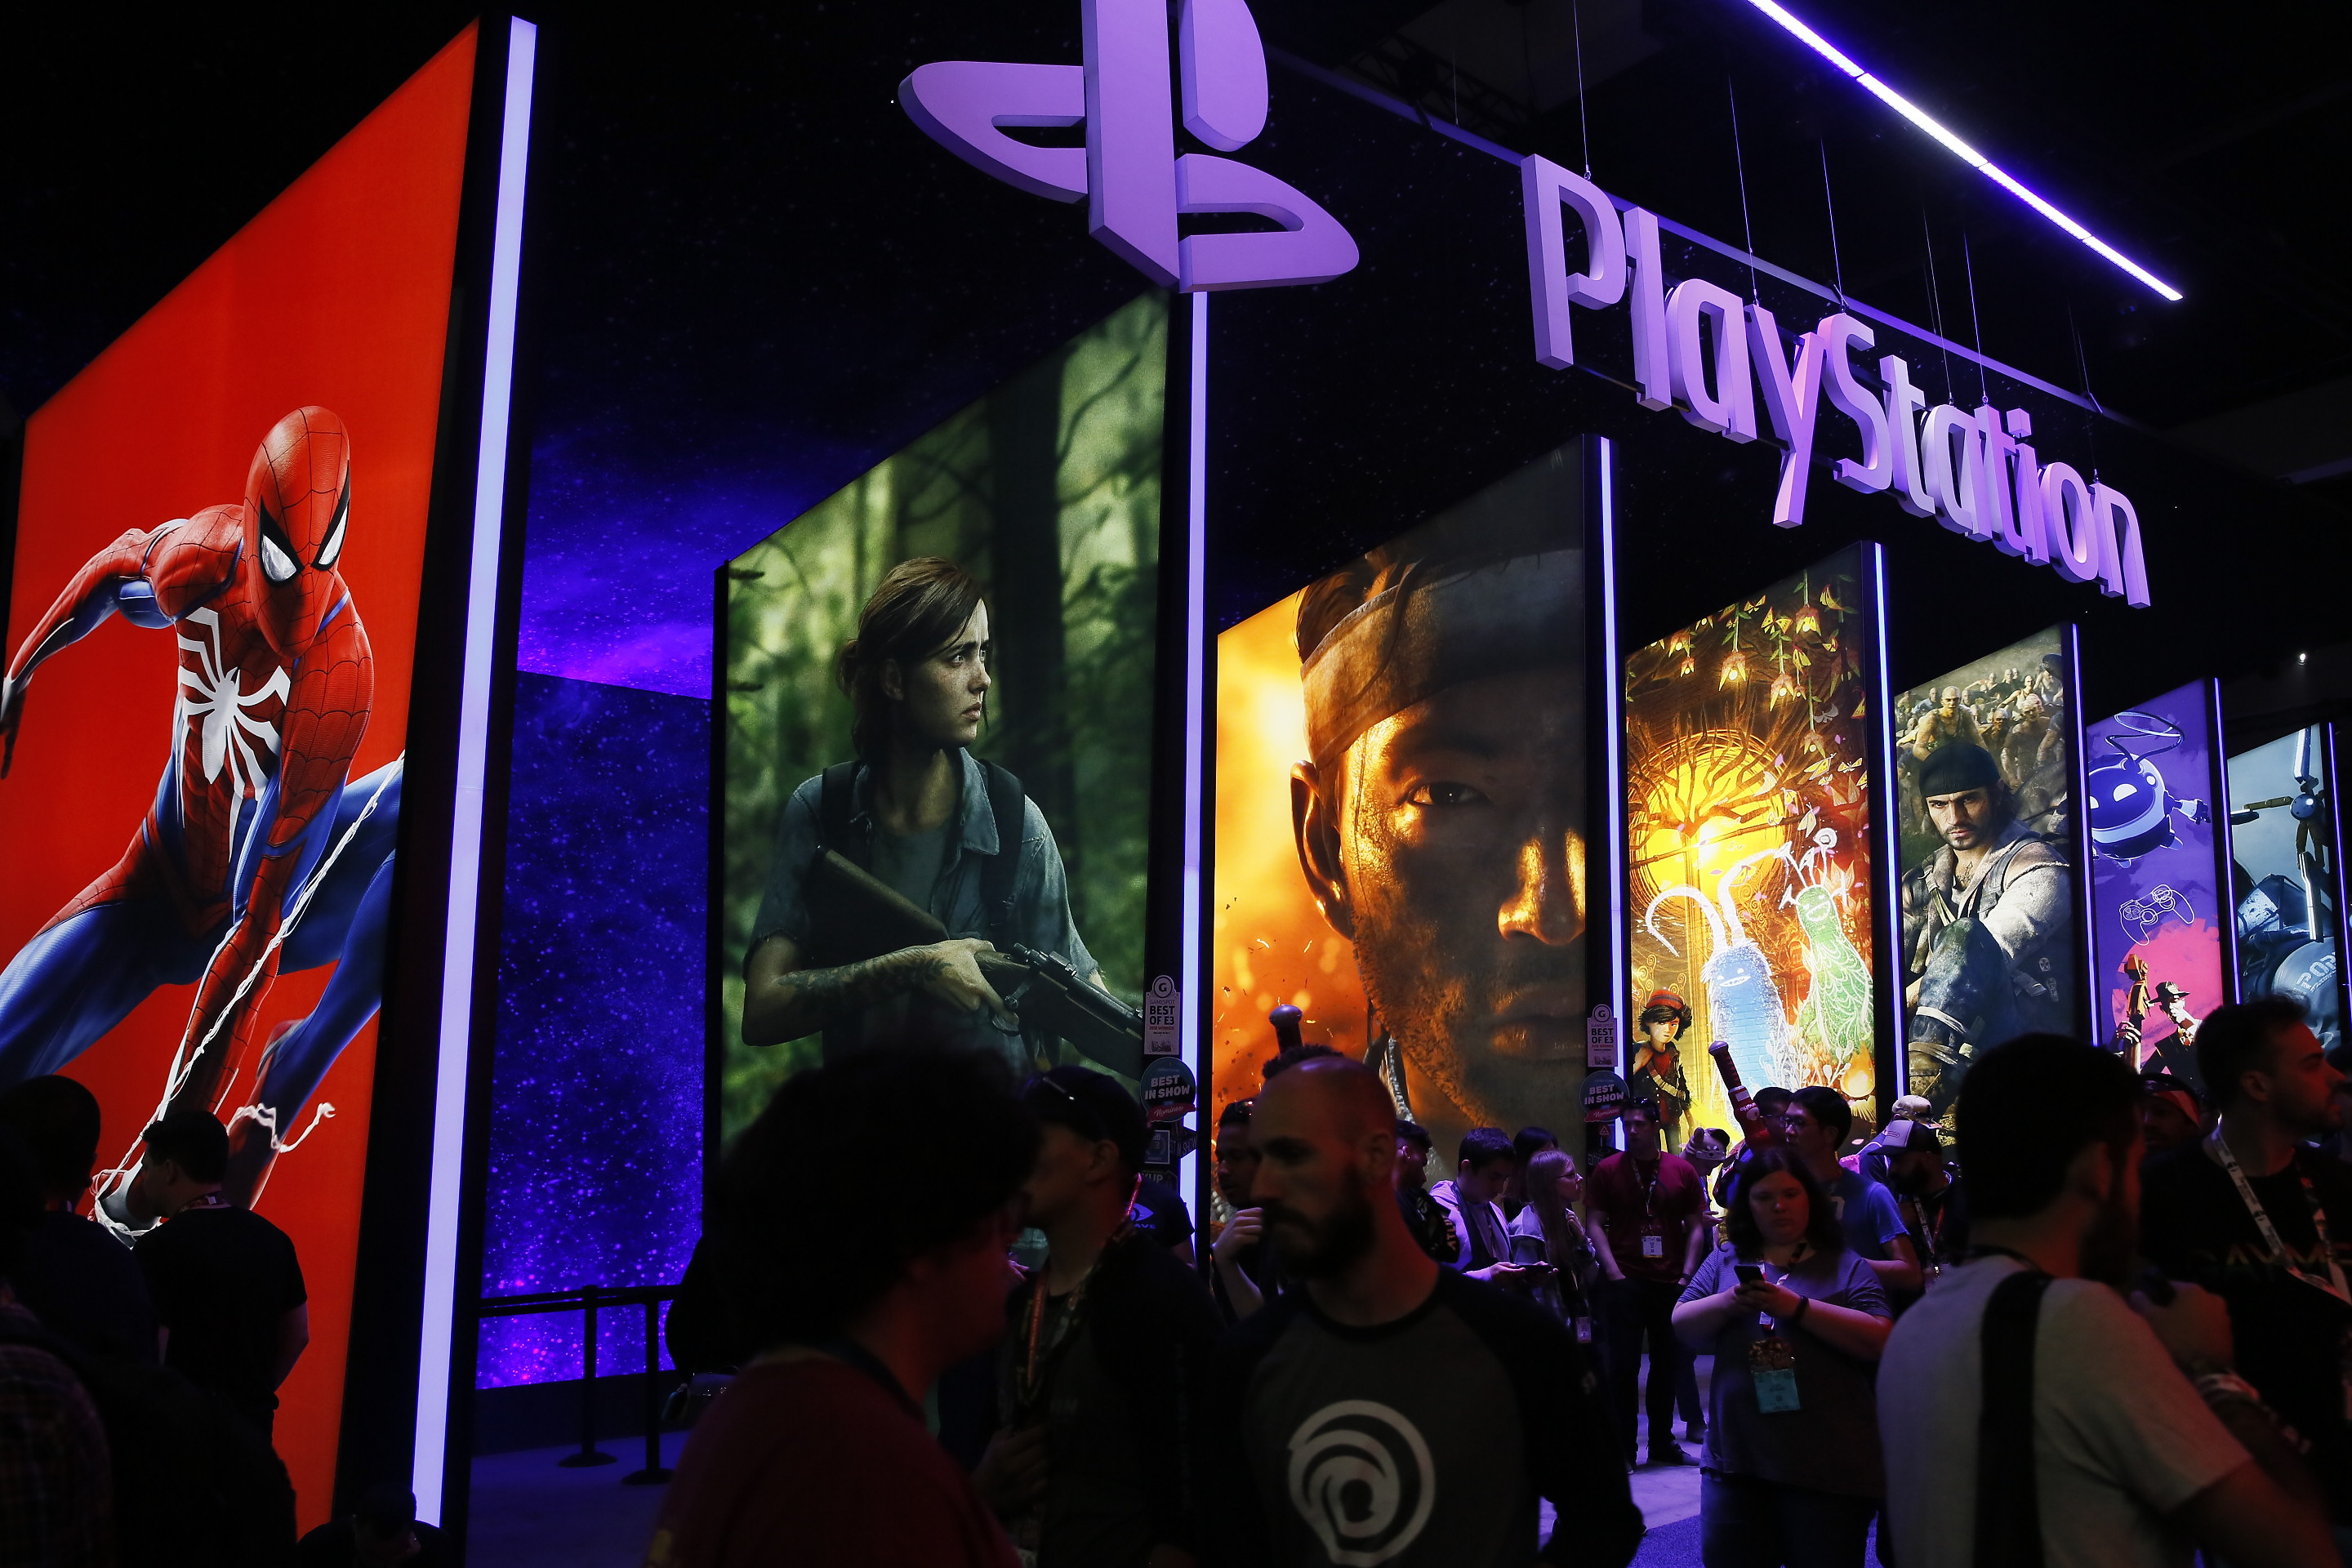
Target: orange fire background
[{"x": 1268, "y": 941}]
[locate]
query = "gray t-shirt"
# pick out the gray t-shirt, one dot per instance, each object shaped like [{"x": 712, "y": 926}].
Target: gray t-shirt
[
  {"x": 910, "y": 863},
  {"x": 1423, "y": 1443},
  {"x": 1830, "y": 1442},
  {"x": 2120, "y": 1438}
]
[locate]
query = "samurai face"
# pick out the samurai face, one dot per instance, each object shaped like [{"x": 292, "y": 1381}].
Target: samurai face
[{"x": 298, "y": 501}]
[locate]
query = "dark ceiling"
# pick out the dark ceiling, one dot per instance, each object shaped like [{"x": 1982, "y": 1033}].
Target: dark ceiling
[{"x": 2209, "y": 143}]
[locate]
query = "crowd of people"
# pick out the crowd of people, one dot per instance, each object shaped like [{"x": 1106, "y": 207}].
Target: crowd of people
[
  {"x": 139, "y": 1378},
  {"x": 2096, "y": 1318},
  {"x": 2093, "y": 1319}
]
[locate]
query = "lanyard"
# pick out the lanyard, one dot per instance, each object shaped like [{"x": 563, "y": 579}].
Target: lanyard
[
  {"x": 1038, "y": 1357},
  {"x": 2334, "y": 1283}
]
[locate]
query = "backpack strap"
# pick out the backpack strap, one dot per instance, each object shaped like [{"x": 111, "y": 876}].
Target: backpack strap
[
  {"x": 2009, "y": 1507},
  {"x": 1009, "y": 805},
  {"x": 836, "y": 807}
]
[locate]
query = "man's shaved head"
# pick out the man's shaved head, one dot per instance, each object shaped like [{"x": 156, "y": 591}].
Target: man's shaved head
[
  {"x": 1337, "y": 1096},
  {"x": 1327, "y": 1132}
]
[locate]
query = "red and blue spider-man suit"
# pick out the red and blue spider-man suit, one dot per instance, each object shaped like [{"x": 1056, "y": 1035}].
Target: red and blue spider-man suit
[{"x": 256, "y": 855}]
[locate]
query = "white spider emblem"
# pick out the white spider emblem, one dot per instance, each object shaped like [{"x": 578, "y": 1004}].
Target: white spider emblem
[{"x": 211, "y": 696}]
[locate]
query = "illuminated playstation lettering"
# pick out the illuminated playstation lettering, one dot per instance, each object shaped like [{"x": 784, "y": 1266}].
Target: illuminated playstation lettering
[{"x": 1700, "y": 349}]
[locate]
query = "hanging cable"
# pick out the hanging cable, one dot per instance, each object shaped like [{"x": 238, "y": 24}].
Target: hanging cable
[
  {"x": 1583, "y": 127},
  {"x": 1935, "y": 303},
  {"x": 1976, "y": 327},
  {"x": 1739, "y": 163},
  {"x": 1837, "y": 266},
  {"x": 2083, "y": 370}
]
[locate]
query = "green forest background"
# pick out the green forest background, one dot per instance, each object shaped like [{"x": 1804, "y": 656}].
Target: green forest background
[{"x": 1048, "y": 492}]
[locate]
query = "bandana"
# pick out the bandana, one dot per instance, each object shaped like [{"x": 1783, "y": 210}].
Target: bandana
[{"x": 1413, "y": 641}]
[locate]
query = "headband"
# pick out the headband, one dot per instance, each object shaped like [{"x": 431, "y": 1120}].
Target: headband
[{"x": 1408, "y": 643}]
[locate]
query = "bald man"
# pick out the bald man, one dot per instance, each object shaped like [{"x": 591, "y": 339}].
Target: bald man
[{"x": 1389, "y": 1410}]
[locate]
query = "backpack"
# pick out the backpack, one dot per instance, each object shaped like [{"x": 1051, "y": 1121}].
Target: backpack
[{"x": 195, "y": 1485}]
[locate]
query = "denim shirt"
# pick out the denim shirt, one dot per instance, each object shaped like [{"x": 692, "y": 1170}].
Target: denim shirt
[{"x": 1040, "y": 904}]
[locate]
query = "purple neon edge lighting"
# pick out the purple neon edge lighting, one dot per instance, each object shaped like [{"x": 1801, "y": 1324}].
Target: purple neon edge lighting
[
  {"x": 1956, "y": 147},
  {"x": 1612, "y": 726},
  {"x": 1196, "y": 598},
  {"x": 1887, "y": 884},
  {"x": 439, "y": 1315}
]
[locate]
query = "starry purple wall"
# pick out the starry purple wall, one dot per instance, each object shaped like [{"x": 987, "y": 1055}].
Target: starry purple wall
[{"x": 595, "y": 1158}]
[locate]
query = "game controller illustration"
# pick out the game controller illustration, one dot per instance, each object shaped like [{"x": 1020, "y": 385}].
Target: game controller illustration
[{"x": 2145, "y": 914}]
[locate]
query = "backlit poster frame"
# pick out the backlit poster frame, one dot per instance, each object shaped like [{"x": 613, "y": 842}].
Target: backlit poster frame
[
  {"x": 380, "y": 289},
  {"x": 1994, "y": 691},
  {"x": 2303, "y": 978},
  {"x": 1703, "y": 767},
  {"x": 1068, "y": 471},
  {"x": 1260, "y": 747},
  {"x": 2161, "y": 861}
]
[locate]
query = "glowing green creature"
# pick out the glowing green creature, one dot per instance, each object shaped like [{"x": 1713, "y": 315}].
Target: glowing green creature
[{"x": 1835, "y": 1015}]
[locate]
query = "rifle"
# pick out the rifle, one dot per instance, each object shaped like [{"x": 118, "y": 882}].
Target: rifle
[{"x": 866, "y": 918}]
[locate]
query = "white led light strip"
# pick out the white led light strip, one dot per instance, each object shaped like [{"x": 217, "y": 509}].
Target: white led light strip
[
  {"x": 1965, "y": 153},
  {"x": 438, "y": 1330}
]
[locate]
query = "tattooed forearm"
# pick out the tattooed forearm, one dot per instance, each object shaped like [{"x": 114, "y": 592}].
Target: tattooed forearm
[{"x": 784, "y": 1003}]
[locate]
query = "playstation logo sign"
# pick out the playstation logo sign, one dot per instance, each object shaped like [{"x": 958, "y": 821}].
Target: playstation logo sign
[{"x": 1133, "y": 181}]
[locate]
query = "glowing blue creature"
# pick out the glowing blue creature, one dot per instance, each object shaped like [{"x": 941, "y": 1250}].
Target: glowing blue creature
[{"x": 1743, "y": 1000}]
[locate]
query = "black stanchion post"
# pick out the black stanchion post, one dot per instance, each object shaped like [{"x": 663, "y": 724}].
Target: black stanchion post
[
  {"x": 653, "y": 1475},
  {"x": 588, "y": 1454}
]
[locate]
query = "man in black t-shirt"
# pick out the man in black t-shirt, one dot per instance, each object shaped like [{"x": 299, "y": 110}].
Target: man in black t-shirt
[
  {"x": 227, "y": 1287},
  {"x": 80, "y": 1282},
  {"x": 1389, "y": 1410},
  {"x": 2282, "y": 1270},
  {"x": 1105, "y": 1356}
]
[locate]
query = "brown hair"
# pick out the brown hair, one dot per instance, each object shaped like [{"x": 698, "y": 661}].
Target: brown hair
[{"x": 919, "y": 608}]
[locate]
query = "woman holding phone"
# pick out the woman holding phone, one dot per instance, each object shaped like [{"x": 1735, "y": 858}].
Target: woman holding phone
[
  {"x": 1792, "y": 1471},
  {"x": 1547, "y": 1230}
]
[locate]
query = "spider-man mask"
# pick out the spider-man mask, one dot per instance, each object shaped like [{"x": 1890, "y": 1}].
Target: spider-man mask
[{"x": 297, "y": 500}]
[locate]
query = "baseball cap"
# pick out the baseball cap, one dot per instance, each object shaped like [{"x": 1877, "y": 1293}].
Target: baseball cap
[
  {"x": 1913, "y": 1135},
  {"x": 1091, "y": 1105}
]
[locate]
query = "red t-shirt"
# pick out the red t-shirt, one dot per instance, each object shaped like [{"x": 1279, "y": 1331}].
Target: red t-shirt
[
  {"x": 811, "y": 1461},
  {"x": 1630, "y": 1206}
]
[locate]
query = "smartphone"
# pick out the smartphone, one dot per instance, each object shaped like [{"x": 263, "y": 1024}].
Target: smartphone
[{"x": 1749, "y": 1273}]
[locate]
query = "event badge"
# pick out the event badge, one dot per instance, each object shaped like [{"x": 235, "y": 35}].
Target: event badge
[
  {"x": 1654, "y": 1244},
  {"x": 1772, "y": 1368},
  {"x": 1584, "y": 1330}
]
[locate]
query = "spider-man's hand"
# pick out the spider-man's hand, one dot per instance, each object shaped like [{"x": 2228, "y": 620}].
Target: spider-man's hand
[{"x": 12, "y": 708}]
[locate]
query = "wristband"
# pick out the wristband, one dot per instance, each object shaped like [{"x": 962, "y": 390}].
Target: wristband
[{"x": 1804, "y": 1305}]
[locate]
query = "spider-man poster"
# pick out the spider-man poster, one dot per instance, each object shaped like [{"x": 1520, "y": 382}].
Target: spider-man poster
[
  {"x": 2157, "y": 840},
  {"x": 212, "y": 623}
]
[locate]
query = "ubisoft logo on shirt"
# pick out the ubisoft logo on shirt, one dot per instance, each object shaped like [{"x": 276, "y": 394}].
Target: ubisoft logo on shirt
[{"x": 1347, "y": 1483}]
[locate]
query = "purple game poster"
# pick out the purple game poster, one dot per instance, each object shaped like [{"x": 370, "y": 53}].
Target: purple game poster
[{"x": 2156, "y": 909}]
